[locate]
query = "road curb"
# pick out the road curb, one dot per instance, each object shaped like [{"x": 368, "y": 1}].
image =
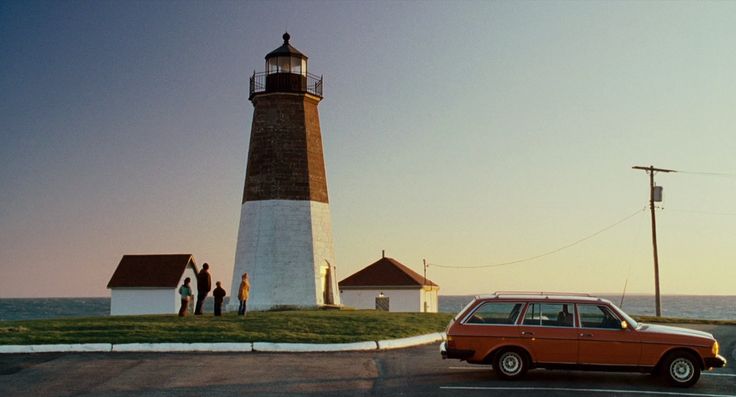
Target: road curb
[
  {"x": 225, "y": 347},
  {"x": 411, "y": 341},
  {"x": 57, "y": 348},
  {"x": 313, "y": 347},
  {"x": 182, "y": 347}
]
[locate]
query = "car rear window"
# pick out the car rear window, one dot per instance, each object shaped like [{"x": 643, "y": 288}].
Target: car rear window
[
  {"x": 550, "y": 314},
  {"x": 496, "y": 313}
]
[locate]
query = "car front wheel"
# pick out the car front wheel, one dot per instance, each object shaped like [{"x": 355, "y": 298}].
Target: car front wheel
[
  {"x": 682, "y": 369},
  {"x": 510, "y": 364}
]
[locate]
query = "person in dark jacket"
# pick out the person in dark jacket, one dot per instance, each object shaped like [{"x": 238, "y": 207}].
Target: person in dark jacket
[
  {"x": 204, "y": 286},
  {"x": 219, "y": 294}
]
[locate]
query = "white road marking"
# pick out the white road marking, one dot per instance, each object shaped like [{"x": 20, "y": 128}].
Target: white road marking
[
  {"x": 485, "y": 368},
  {"x": 716, "y": 374},
  {"x": 623, "y": 391},
  {"x": 472, "y": 368}
]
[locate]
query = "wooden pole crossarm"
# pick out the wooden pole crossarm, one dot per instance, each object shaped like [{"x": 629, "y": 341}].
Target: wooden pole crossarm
[{"x": 652, "y": 168}]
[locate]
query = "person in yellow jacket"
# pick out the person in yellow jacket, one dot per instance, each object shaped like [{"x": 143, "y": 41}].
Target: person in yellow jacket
[{"x": 243, "y": 293}]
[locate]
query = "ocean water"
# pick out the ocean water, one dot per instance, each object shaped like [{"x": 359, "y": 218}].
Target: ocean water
[
  {"x": 683, "y": 306},
  {"x": 43, "y": 308}
]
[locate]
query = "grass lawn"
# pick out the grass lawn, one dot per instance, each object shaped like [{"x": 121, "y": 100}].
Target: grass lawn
[{"x": 298, "y": 326}]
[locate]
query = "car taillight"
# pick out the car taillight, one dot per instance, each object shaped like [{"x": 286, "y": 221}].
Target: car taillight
[
  {"x": 450, "y": 342},
  {"x": 715, "y": 348}
]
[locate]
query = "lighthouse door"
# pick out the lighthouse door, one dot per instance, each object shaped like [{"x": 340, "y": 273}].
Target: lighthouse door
[{"x": 326, "y": 278}]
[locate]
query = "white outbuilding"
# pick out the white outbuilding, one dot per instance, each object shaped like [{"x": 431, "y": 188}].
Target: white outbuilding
[
  {"x": 395, "y": 285},
  {"x": 149, "y": 284}
]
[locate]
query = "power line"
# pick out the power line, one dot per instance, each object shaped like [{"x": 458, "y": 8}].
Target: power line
[
  {"x": 721, "y": 174},
  {"x": 531, "y": 258},
  {"x": 701, "y": 212}
]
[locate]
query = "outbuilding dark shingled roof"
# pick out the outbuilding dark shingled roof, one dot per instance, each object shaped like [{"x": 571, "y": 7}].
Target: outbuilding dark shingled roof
[
  {"x": 385, "y": 272},
  {"x": 151, "y": 271}
]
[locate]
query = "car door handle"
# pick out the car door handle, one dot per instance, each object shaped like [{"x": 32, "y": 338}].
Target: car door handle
[
  {"x": 586, "y": 335},
  {"x": 525, "y": 333}
]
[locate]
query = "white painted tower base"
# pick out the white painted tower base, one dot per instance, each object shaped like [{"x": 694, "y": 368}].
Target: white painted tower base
[{"x": 280, "y": 244}]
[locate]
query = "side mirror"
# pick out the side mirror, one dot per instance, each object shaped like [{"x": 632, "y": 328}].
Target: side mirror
[{"x": 624, "y": 324}]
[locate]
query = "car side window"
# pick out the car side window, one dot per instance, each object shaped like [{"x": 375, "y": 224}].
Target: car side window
[
  {"x": 595, "y": 316},
  {"x": 496, "y": 313},
  {"x": 550, "y": 314}
]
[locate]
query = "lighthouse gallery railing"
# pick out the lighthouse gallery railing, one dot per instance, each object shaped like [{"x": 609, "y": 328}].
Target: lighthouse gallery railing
[{"x": 284, "y": 80}]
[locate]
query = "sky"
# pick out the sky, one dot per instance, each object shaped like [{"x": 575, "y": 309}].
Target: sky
[{"x": 493, "y": 139}]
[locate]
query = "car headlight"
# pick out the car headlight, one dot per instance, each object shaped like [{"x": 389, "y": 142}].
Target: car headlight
[{"x": 715, "y": 348}]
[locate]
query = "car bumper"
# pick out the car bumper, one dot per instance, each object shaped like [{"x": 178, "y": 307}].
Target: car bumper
[
  {"x": 454, "y": 353},
  {"x": 715, "y": 362}
]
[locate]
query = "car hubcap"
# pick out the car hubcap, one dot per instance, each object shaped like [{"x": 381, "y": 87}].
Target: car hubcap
[
  {"x": 511, "y": 363},
  {"x": 682, "y": 370}
]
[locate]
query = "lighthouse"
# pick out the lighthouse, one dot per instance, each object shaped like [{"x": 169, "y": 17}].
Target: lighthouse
[{"x": 285, "y": 234}]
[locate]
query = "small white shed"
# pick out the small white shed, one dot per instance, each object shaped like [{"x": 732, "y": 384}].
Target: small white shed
[
  {"x": 406, "y": 290},
  {"x": 149, "y": 284}
]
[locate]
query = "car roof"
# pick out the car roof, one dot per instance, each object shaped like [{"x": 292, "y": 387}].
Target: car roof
[{"x": 542, "y": 296}]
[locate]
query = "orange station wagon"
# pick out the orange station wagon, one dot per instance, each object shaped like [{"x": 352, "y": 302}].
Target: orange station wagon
[{"x": 517, "y": 331}]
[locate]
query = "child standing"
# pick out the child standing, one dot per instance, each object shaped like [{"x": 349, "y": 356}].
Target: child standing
[
  {"x": 186, "y": 294},
  {"x": 219, "y": 294}
]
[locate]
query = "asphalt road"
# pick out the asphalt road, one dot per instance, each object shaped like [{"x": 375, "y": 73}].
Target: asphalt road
[{"x": 415, "y": 371}]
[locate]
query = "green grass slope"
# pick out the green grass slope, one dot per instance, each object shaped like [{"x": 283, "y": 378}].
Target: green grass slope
[{"x": 297, "y": 326}]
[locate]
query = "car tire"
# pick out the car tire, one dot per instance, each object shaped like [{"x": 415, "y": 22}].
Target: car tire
[
  {"x": 510, "y": 364},
  {"x": 681, "y": 369}
]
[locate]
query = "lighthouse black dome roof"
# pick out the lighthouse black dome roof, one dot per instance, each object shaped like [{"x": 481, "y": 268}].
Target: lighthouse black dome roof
[{"x": 286, "y": 49}]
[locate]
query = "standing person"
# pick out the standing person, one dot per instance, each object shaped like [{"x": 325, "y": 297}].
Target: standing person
[
  {"x": 219, "y": 294},
  {"x": 186, "y": 294},
  {"x": 243, "y": 293},
  {"x": 204, "y": 286}
]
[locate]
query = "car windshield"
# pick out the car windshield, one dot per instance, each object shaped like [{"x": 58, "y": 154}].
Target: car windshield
[{"x": 632, "y": 323}]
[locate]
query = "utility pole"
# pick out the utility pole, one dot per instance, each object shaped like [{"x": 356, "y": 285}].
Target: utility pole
[
  {"x": 651, "y": 170},
  {"x": 424, "y": 292}
]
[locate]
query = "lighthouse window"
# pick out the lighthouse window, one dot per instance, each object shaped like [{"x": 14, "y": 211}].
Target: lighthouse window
[
  {"x": 296, "y": 65},
  {"x": 284, "y": 65},
  {"x": 273, "y": 66}
]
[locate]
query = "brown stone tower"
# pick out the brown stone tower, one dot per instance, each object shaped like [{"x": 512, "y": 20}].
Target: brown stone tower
[{"x": 285, "y": 235}]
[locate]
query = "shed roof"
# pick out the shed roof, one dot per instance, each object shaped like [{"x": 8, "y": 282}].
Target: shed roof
[
  {"x": 386, "y": 272},
  {"x": 151, "y": 271}
]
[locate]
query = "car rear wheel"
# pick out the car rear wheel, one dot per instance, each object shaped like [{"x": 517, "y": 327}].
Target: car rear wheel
[
  {"x": 681, "y": 369},
  {"x": 510, "y": 364}
]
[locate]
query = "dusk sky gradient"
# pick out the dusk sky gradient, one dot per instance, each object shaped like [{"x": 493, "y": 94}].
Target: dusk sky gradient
[{"x": 467, "y": 133}]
